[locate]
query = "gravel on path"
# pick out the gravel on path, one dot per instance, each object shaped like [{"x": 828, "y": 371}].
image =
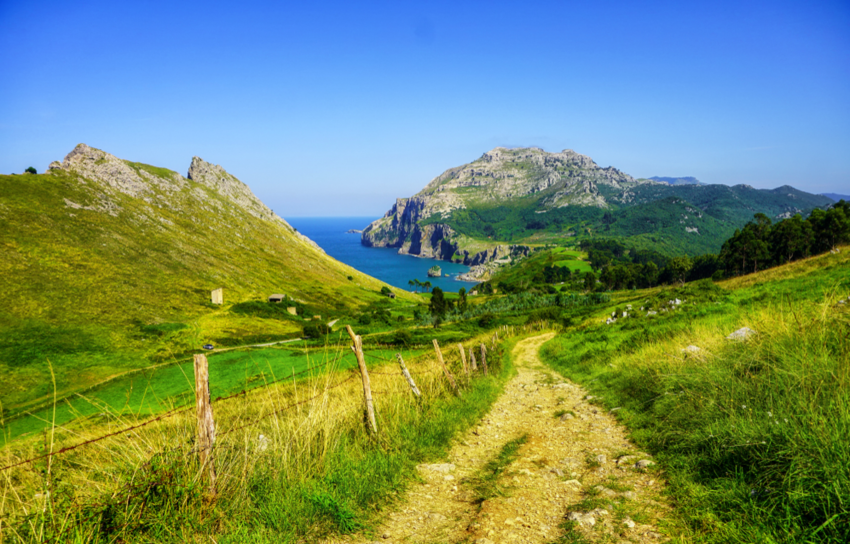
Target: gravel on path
[{"x": 577, "y": 467}]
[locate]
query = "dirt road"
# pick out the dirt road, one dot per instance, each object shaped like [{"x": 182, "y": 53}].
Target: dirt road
[{"x": 575, "y": 474}]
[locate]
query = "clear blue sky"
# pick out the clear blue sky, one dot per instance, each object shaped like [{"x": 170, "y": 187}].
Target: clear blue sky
[{"x": 339, "y": 108}]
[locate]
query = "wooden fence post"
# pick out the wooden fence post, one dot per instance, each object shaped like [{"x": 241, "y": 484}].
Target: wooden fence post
[
  {"x": 371, "y": 425},
  {"x": 472, "y": 360},
  {"x": 484, "y": 358},
  {"x": 463, "y": 360},
  {"x": 206, "y": 424},
  {"x": 443, "y": 364},
  {"x": 407, "y": 376}
]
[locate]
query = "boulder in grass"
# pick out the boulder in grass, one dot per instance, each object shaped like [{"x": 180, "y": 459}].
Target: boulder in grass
[{"x": 742, "y": 334}]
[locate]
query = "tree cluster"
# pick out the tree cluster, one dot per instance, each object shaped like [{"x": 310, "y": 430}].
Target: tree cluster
[
  {"x": 762, "y": 244},
  {"x": 417, "y": 285}
]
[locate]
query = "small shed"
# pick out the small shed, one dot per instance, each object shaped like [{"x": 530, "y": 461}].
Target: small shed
[
  {"x": 391, "y": 294},
  {"x": 277, "y": 298},
  {"x": 217, "y": 296}
]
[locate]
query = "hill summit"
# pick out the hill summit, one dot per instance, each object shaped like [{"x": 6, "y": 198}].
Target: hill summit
[
  {"x": 489, "y": 208},
  {"x": 99, "y": 251}
]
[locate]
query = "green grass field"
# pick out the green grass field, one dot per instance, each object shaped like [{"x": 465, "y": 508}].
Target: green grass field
[
  {"x": 149, "y": 392},
  {"x": 322, "y": 475},
  {"x": 574, "y": 265}
]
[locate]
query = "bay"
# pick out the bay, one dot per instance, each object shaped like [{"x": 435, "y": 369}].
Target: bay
[{"x": 383, "y": 263}]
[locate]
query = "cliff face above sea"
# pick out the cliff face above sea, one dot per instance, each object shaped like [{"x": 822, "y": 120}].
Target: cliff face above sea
[
  {"x": 509, "y": 199},
  {"x": 498, "y": 177}
]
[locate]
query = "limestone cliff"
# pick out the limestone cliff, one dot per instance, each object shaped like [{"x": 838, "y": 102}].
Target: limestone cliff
[{"x": 498, "y": 177}]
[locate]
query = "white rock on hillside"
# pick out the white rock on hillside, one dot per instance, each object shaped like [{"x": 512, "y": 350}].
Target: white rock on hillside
[{"x": 742, "y": 334}]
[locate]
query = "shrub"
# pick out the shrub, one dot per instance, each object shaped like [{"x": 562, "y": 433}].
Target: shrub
[
  {"x": 316, "y": 330},
  {"x": 486, "y": 321},
  {"x": 402, "y": 338},
  {"x": 268, "y": 310}
]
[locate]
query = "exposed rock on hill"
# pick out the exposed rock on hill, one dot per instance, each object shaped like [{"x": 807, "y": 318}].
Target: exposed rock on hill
[
  {"x": 217, "y": 178},
  {"x": 531, "y": 196},
  {"x": 157, "y": 185},
  {"x": 559, "y": 179}
]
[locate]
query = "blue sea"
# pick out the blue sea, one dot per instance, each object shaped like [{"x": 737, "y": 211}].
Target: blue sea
[{"x": 382, "y": 263}]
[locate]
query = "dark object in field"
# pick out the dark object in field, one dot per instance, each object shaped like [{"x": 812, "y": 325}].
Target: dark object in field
[{"x": 208, "y": 346}]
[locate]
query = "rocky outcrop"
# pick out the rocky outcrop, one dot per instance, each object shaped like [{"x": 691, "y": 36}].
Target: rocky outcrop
[
  {"x": 558, "y": 179},
  {"x": 117, "y": 176},
  {"x": 217, "y": 178}
]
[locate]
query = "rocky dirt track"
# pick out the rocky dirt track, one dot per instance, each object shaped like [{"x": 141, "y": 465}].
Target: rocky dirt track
[{"x": 576, "y": 477}]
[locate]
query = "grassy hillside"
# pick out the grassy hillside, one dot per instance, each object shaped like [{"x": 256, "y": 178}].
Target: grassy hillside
[
  {"x": 673, "y": 220},
  {"x": 100, "y": 276},
  {"x": 752, "y": 434}
]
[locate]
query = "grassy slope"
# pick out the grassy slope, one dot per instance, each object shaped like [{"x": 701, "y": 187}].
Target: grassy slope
[
  {"x": 655, "y": 218},
  {"x": 753, "y": 435},
  {"x": 527, "y": 268},
  {"x": 79, "y": 286}
]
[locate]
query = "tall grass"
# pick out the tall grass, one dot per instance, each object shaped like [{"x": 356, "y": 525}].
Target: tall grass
[
  {"x": 286, "y": 471},
  {"x": 754, "y": 435}
]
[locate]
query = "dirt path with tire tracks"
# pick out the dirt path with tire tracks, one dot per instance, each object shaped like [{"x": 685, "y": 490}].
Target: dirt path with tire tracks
[{"x": 576, "y": 477}]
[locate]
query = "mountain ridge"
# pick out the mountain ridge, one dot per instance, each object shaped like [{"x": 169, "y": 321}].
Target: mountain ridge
[
  {"x": 528, "y": 196},
  {"x": 686, "y": 180}
]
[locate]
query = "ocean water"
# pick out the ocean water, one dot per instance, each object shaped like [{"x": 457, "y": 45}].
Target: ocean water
[{"x": 382, "y": 263}]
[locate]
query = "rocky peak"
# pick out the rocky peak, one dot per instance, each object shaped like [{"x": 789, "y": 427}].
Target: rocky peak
[
  {"x": 108, "y": 169},
  {"x": 141, "y": 181},
  {"x": 217, "y": 178}
]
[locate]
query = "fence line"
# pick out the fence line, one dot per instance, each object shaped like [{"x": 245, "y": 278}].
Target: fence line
[{"x": 505, "y": 331}]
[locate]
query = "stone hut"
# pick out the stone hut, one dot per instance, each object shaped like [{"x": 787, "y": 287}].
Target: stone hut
[
  {"x": 277, "y": 298},
  {"x": 217, "y": 296}
]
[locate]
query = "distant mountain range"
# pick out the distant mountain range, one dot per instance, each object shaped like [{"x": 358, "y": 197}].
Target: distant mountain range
[
  {"x": 677, "y": 181},
  {"x": 488, "y": 208},
  {"x": 836, "y": 197}
]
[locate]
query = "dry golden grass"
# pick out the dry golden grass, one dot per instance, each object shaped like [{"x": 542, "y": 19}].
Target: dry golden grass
[{"x": 289, "y": 427}]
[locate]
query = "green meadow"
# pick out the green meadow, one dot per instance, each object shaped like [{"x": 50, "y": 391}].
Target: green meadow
[
  {"x": 752, "y": 434},
  {"x": 151, "y": 391}
]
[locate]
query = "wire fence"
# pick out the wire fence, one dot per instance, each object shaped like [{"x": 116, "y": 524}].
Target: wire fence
[{"x": 132, "y": 489}]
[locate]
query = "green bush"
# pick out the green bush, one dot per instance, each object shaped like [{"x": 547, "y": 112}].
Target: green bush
[
  {"x": 316, "y": 330},
  {"x": 402, "y": 338},
  {"x": 268, "y": 310},
  {"x": 486, "y": 321}
]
